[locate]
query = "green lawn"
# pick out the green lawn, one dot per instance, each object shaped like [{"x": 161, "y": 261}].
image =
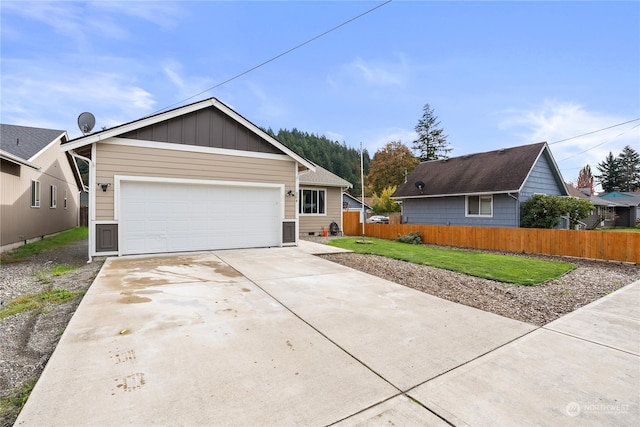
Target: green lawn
[
  {"x": 503, "y": 268},
  {"x": 46, "y": 244},
  {"x": 621, "y": 230}
]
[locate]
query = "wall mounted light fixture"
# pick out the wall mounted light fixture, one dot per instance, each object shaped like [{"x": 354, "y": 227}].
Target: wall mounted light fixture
[
  {"x": 291, "y": 193},
  {"x": 104, "y": 186}
]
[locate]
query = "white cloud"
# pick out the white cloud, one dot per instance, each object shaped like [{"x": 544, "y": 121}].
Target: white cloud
[
  {"x": 162, "y": 13},
  {"x": 51, "y": 95},
  {"x": 83, "y": 21},
  {"x": 360, "y": 72},
  {"x": 554, "y": 121}
]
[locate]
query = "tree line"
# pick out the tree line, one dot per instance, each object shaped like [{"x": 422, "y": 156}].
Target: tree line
[{"x": 334, "y": 156}]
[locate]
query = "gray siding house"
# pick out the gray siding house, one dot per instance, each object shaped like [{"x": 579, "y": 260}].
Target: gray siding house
[
  {"x": 626, "y": 207},
  {"x": 39, "y": 189},
  {"x": 483, "y": 189},
  {"x": 351, "y": 203}
]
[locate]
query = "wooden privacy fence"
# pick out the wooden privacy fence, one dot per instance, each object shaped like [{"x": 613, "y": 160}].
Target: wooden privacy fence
[{"x": 610, "y": 246}]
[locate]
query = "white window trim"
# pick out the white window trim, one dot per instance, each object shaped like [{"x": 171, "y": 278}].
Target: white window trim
[
  {"x": 479, "y": 215},
  {"x": 313, "y": 189},
  {"x": 53, "y": 197},
  {"x": 35, "y": 193}
]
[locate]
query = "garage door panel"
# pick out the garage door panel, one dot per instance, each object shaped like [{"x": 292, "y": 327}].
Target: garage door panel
[{"x": 168, "y": 217}]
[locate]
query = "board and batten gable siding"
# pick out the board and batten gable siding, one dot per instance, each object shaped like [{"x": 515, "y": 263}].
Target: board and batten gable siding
[
  {"x": 208, "y": 127},
  {"x": 21, "y": 222},
  {"x": 451, "y": 211},
  {"x": 541, "y": 180},
  {"x": 116, "y": 159}
]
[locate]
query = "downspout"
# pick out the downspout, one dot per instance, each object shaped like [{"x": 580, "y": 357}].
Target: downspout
[
  {"x": 517, "y": 199},
  {"x": 91, "y": 195}
]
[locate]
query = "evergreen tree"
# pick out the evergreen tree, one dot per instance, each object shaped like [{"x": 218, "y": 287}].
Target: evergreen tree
[
  {"x": 629, "y": 167},
  {"x": 432, "y": 142},
  {"x": 609, "y": 176},
  {"x": 337, "y": 158}
]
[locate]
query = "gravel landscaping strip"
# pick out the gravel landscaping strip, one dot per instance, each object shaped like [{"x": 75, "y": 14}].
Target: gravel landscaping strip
[{"x": 538, "y": 305}]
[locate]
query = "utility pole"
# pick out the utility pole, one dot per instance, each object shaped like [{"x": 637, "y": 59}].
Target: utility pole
[{"x": 363, "y": 216}]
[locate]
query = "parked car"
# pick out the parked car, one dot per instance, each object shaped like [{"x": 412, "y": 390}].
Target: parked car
[{"x": 379, "y": 219}]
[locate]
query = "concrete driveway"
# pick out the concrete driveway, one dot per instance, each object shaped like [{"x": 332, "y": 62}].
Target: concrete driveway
[{"x": 277, "y": 337}]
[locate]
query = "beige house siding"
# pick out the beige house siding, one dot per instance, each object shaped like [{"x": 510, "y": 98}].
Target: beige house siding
[
  {"x": 315, "y": 223},
  {"x": 116, "y": 159},
  {"x": 19, "y": 221}
]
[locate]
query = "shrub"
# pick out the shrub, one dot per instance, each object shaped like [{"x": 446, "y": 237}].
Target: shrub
[{"x": 414, "y": 238}]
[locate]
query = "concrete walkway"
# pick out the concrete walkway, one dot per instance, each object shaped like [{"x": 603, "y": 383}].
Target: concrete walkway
[{"x": 276, "y": 337}]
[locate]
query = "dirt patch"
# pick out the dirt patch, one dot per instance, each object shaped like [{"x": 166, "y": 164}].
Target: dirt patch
[{"x": 29, "y": 338}]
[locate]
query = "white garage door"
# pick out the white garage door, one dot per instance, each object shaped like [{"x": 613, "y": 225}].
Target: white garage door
[{"x": 175, "y": 217}]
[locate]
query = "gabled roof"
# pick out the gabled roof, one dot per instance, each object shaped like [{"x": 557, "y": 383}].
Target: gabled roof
[
  {"x": 323, "y": 177},
  {"x": 574, "y": 192},
  {"x": 25, "y": 142},
  {"x": 595, "y": 200},
  {"x": 116, "y": 131},
  {"x": 349, "y": 196},
  {"x": 499, "y": 171}
]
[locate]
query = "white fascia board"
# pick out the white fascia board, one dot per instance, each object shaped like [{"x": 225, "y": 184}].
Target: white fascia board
[
  {"x": 15, "y": 159},
  {"x": 554, "y": 166},
  {"x": 433, "y": 196},
  {"x": 344, "y": 184},
  {"x": 48, "y": 146},
  {"x": 111, "y": 133},
  {"x": 194, "y": 149},
  {"x": 140, "y": 123}
]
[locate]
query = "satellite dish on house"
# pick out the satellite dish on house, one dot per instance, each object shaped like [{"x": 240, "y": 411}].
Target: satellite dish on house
[
  {"x": 420, "y": 185},
  {"x": 86, "y": 122}
]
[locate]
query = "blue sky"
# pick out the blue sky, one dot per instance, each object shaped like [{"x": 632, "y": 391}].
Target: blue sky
[{"x": 497, "y": 74}]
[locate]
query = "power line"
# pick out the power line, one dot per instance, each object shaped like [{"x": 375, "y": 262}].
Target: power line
[
  {"x": 275, "y": 57},
  {"x": 595, "y": 131},
  {"x": 605, "y": 142}
]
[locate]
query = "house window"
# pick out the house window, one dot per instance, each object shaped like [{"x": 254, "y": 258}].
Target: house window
[
  {"x": 53, "y": 193},
  {"x": 479, "y": 205},
  {"x": 35, "y": 194},
  {"x": 312, "y": 202},
  {"x": 65, "y": 199}
]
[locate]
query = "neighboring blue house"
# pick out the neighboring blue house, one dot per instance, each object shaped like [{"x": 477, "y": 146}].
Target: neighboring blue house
[
  {"x": 350, "y": 203},
  {"x": 483, "y": 189},
  {"x": 627, "y": 207}
]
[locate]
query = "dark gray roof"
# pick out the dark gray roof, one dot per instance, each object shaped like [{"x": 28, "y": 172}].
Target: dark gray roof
[
  {"x": 491, "y": 172},
  {"x": 25, "y": 142}
]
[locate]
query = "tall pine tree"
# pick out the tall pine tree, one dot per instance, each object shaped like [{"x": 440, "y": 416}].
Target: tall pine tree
[
  {"x": 629, "y": 166},
  {"x": 432, "y": 142},
  {"x": 609, "y": 176}
]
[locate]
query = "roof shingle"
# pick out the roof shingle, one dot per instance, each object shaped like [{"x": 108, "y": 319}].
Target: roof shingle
[
  {"x": 25, "y": 142},
  {"x": 490, "y": 172}
]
